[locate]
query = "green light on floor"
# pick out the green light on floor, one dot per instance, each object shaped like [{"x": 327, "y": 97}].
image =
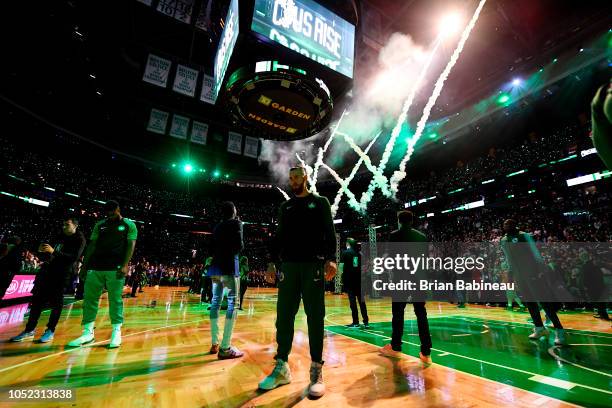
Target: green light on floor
[
  {"x": 173, "y": 164},
  {"x": 188, "y": 168},
  {"x": 531, "y": 191},
  {"x": 555, "y": 60},
  {"x": 433, "y": 135},
  {"x": 511, "y": 196},
  {"x": 216, "y": 173},
  {"x": 227, "y": 176}
]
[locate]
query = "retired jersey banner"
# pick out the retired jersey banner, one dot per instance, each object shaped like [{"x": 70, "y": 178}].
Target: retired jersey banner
[
  {"x": 208, "y": 85},
  {"x": 179, "y": 9},
  {"x": 180, "y": 126},
  {"x": 199, "y": 132},
  {"x": 185, "y": 80},
  {"x": 157, "y": 70},
  {"x": 158, "y": 121},
  {"x": 251, "y": 147},
  {"x": 234, "y": 143}
]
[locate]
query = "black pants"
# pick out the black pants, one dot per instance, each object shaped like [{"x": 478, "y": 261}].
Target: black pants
[
  {"x": 297, "y": 281},
  {"x": 135, "y": 284},
  {"x": 206, "y": 290},
  {"x": 602, "y": 310},
  {"x": 354, "y": 297},
  {"x": 549, "y": 308},
  {"x": 243, "y": 289},
  {"x": 422, "y": 323},
  {"x": 55, "y": 297}
]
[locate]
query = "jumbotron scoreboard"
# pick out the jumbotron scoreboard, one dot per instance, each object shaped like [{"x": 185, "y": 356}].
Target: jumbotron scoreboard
[{"x": 281, "y": 64}]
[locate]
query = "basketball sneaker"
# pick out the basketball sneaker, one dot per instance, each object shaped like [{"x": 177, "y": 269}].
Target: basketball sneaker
[
  {"x": 317, "y": 387},
  {"x": 281, "y": 375},
  {"x": 538, "y": 332}
]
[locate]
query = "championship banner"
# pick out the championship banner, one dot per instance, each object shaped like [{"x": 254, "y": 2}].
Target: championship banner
[
  {"x": 180, "y": 125},
  {"x": 251, "y": 147},
  {"x": 185, "y": 80},
  {"x": 208, "y": 85},
  {"x": 234, "y": 142},
  {"x": 178, "y": 9},
  {"x": 199, "y": 132},
  {"x": 158, "y": 121},
  {"x": 157, "y": 71}
]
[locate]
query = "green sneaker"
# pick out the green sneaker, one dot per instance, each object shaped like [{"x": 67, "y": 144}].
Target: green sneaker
[{"x": 281, "y": 375}]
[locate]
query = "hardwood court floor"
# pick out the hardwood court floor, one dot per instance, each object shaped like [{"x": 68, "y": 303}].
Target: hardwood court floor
[{"x": 479, "y": 354}]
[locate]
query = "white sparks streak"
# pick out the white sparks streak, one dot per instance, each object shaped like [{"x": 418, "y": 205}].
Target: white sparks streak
[
  {"x": 367, "y": 195},
  {"x": 283, "y": 193},
  {"x": 400, "y": 174},
  {"x": 344, "y": 185},
  {"x": 319, "y": 162},
  {"x": 378, "y": 176}
]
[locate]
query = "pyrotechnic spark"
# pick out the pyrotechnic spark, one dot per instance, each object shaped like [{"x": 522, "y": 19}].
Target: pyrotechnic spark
[
  {"x": 319, "y": 162},
  {"x": 344, "y": 185},
  {"x": 366, "y": 197},
  {"x": 283, "y": 193},
  {"x": 400, "y": 174}
]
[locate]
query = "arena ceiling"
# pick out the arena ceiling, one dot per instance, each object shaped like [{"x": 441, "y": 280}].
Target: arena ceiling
[{"x": 78, "y": 64}]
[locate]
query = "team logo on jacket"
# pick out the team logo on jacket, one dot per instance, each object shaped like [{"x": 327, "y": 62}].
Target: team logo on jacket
[
  {"x": 121, "y": 228},
  {"x": 312, "y": 205}
]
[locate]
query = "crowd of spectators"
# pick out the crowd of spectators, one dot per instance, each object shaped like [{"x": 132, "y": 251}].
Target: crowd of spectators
[{"x": 176, "y": 247}]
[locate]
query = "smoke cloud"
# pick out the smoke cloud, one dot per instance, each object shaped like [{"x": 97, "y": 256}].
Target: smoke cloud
[{"x": 379, "y": 93}]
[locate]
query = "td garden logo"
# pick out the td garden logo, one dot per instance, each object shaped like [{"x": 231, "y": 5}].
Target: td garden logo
[
  {"x": 278, "y": 116},
  {"x": 271, "y": 123},
  {"x": 264, "y": 100}
]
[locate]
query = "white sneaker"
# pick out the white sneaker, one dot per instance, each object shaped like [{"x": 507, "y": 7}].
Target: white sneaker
[
  {"x": 85, "y": 338},
  {"x": 317, "y": 387},
  {"x": 559, "y": 337},
  {"x": 538, "y": 332},
  {"x": 115, "y": 340},
  {"x": 281, "y": 375}
]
